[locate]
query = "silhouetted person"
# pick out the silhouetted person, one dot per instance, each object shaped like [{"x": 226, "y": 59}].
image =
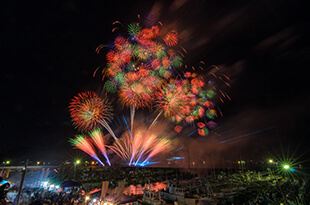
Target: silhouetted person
[{"x": 4, "y": 185}]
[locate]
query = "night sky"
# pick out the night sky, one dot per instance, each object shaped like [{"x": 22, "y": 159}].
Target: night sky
[{"x": 48, "y": 56}]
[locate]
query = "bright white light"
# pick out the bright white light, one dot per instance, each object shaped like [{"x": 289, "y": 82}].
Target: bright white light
[
  {"x": 45, "y": 183},
  {"x": 86, "y": 198},
  {"x": 105, "y": 203},
  {"x": 94, "y": 200},
  {"x": 57, "y": 187}
]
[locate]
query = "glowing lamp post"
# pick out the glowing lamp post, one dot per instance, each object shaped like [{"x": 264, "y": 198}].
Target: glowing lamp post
[
  {"x": 75, "y": 164},
  {"x": 86, "y": 199},
  {"x": 5, "y": 163}
]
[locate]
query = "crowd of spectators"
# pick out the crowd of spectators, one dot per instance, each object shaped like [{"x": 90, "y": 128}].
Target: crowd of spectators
[
  {"x": 42, "y": 196},
  {"x": 291, "y": 192}
]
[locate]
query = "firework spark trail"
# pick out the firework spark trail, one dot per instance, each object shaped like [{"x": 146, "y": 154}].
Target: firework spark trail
[
  {"x": 248, "y": 134},
  {"x": 147, "y": 146},
  {"x": 136, "y": 144},
  {"x": 108, "y": 128},
  {"x": 127, "y": 127},
  {"x": 155, "y": 120},
  {"x": 82, "y": 143},
  {"x": 98, "y": 140},
  {"x": 141, "y": 146},
  {"x": 117, "y": 148},
  {"x": 163, "y": 144},
  {"x": 132, "y": 116},
  {"x": 193, "y": 132},
  {"x": 123, "y": 147}
]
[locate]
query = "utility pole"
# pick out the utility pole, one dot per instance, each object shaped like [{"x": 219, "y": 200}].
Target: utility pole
[
  {"x": 279, "y": 186},
  {"x": 189, "y": 161},
  {"x": 213, "y": 166},
  {"x": 22, "y": 182}
]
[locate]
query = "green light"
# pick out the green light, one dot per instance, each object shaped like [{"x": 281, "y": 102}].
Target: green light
[
  {"x": 270, "y": 161},
  {"x": 77, "y": 161},
  {"x": 286, "y": 166},
  {"x": 7, "y": 162}
]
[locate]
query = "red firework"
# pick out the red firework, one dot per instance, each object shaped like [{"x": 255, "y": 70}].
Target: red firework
[
  {"x": 136, "y": 94},
  {"x": 178, "y": 128},
  {"x": 138, "y": 89},
  {"x": 171, "y": 39},
  {"x": 88, "y": 110}
]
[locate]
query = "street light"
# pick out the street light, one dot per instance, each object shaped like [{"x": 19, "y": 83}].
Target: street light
[
  {"x": 286, "y": 166},
  {"x": 75, "y": 164},
  {"x": 270, "y": 161},
  {"x": 86, "y": 199}
]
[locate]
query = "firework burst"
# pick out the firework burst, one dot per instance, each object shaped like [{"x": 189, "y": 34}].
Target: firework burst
[
  {"x": 99, "y": 141},
  {"x": 136, "y": 65},
  {"x": 161, "y": 145},
  {"x": 173, "y": 98},
  {"x": 87, "y": 110},
  {"x": 83, "y": 143},
  {"x": 138, "y": 89},
  {"x": 142, "y": 48},
  {"x": 171, "y": 38},
  {"x": 142, "y": 146}
]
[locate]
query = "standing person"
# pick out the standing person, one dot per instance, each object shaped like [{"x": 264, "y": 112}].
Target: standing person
[{"x": 4, "y": 185}]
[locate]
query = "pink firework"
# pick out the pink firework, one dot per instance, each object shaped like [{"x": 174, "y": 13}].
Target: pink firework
[
  {"x": 81, "y": 142},
  {"x": 160, "y": 146},
  {"x": 99, "y": 141}
]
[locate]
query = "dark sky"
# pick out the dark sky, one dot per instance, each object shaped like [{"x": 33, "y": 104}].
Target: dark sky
[{"x": 48, "y": 56}]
